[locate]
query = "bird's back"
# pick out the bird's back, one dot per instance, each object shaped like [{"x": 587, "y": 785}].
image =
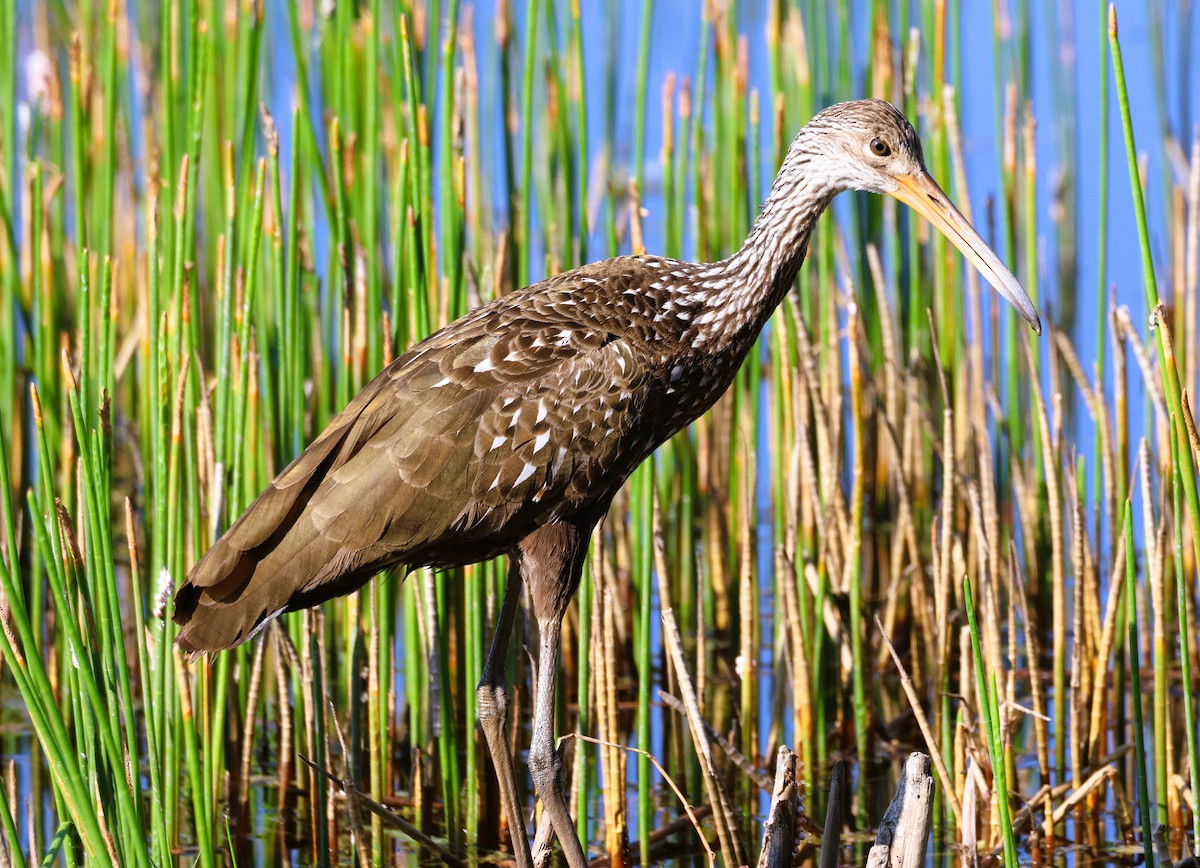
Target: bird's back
[{"x": 526, "y": 411}]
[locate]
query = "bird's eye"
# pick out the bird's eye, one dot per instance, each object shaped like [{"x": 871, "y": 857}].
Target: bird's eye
[{"x": 880, "y": 148}]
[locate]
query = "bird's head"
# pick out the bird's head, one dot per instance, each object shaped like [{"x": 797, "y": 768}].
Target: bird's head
[{"x": 870, "y": 145}]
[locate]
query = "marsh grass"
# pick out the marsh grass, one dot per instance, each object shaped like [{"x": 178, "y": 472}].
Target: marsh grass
[{"x": 200, "y": 265}]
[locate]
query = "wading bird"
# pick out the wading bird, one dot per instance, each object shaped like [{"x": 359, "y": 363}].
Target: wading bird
[{"x": 510, "y": 430}]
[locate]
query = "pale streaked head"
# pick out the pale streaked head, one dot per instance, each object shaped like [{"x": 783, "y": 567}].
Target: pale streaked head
[{"x": 870, "y": 145}]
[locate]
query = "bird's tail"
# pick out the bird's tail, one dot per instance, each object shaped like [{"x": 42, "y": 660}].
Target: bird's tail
[
  {"x": 279, "y": 556},
  {"x": 204, "y": 629},
  {"x": 273, "y": 559},
  {"x": 221, "y": 605}
]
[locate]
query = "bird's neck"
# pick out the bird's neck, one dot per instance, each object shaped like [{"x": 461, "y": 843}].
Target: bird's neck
[{"x": 740, "y": 293}]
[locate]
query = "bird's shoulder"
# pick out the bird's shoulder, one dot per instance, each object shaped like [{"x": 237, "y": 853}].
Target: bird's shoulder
[{"x": 644, "y": 296}]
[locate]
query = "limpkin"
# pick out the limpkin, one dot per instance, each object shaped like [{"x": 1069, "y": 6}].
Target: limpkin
[{"x": 510, "y": 430}]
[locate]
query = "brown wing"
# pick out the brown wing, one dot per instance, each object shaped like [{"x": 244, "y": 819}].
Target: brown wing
[{"x": 504, "y": 420}]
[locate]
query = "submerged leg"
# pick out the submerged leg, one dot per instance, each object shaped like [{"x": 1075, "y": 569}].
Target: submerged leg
[
  {"x": 491, "y": 699},
  {"x": 551, "y": 560}
]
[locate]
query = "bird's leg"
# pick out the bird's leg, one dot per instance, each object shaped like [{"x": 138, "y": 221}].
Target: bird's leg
[
  {"x": 491, "y": 699},
  {"x": 545, "y": 761},
  {"x": 551, "y": 561}
]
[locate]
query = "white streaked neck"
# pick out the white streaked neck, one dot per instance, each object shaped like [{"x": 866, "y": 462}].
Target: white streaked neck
[{"x": 740, "y": 293}]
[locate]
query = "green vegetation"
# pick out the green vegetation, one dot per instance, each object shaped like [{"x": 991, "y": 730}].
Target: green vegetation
[{"x": 190, "y": 287}]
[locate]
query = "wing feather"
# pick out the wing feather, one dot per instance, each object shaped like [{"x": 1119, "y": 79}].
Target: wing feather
[{"x": 502, "y": 420}]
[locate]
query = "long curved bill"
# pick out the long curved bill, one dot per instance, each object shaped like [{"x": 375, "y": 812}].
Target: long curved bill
[{"x": 921, "y": 193}]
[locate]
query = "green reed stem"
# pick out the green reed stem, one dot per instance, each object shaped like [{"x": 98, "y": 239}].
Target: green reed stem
[
  {"x": 474, "y": 579},
  {"x": 26, "y": 666},
  {"x": 200, "y": 802},
  {"x": 9, "y": 827},
  {"x": 583, "y": 154},
  {"x": 701, "y": 243},
  {"x": 102, "y": 220},
  {"x": 1101, "y": 274},
  {"x": 103, "y": 587},
  {"x": 1135, "y": 695},
  {"x": 583, "y": 688},
  {"x": 8, "y": 116},
  {"x": 989, "y": 713},
  {"x": 244, "y": 318},
  {"x": 643, "y": 510},
  {"x": 318, "y": 677},
  {"x": 48, "y": 534},
  {"x": 308, "y": 129},
  {"x": 447, "y": 738},
  {"x": 341, "y": 271},
  {"x": 224, "y": 431},
  {"x": 525, "y": 237},
  {"x": 639, "y": 111},
  {"x": 451, "y": 196},
  {"x": 42, "y": 307},
  {"x": 1187, "y": 632},
  {"x": 414, "y": 677},
  {"x": 1166, "y": 361}
]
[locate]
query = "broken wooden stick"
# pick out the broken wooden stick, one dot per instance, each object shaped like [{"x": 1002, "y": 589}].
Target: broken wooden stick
[
  {"x": 904, "y": 829},
  {"x": 779, "y": 831}
]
